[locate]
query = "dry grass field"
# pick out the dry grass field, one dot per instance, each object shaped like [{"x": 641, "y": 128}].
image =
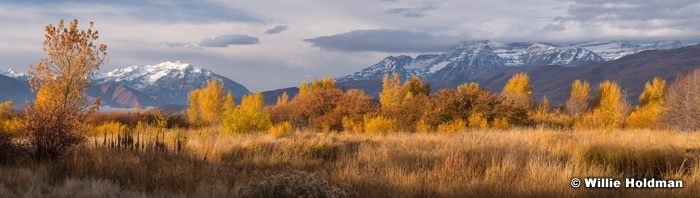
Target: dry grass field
[{"x": 471, "y": 163}]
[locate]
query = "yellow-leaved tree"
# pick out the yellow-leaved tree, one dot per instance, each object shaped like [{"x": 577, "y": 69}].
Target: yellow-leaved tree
[
  {"x": 468, "y": 88},
  {"x": 578, "y": 103},
  {"x": 415, "y": 87},
  {"x": 326, "y": 83},
  {"x": 518, "y": 90},
  {"x": 55, "y": 120},
  {"x": 8, "y": 147},
  {"x": 651, "y": 102},
  {"x": 208, "y": 105},
  {"x": 8, "y": 121},
  {"x": 609, "y": 114},
  {"x": 249, "y": 116},
  {"x": 543, "y": 108},
  {"x": 392, "y": 95},
  {"x": 283, "y": 99}
]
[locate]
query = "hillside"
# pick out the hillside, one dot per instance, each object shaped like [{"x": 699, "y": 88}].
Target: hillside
[
  {"x": 15, "y": 90},
  {"x": 480, "y": 55},
  {"x": 554, "y": 81},
  {"x": 148, "y": 86},
  {"x": 631, "y": 72}
]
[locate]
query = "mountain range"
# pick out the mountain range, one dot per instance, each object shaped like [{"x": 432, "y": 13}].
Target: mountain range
[
  {"x": 167, "y": 82},
  {"x": 149, "y": 85},
  {"x": 631, "y": 65},
  {"x": 471, "y": 56},
  {"x": 551, "y": 67}
]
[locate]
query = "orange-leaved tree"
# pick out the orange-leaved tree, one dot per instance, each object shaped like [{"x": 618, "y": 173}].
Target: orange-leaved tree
[{"x": 55, "y": 120}]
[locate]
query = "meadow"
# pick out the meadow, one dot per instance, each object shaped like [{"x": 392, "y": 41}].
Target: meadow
[
  {"x": 327, "y": 141},
  {"x": 534, "y": 162}
]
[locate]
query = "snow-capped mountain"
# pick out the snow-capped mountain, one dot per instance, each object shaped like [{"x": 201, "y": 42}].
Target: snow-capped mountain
[
  {"x": 167, "y": 82},
  {"x": 611, "y": 50},
  {"x": 489, "y": 54},
  {"x": 12, "y": 73}
]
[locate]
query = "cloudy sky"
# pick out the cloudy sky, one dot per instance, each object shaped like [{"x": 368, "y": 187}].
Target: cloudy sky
[{"x": 267, "y": 44}]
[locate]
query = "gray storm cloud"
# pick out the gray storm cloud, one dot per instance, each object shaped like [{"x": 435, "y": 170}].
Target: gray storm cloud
[
  {"x": 382, "y": 40},
  {"x": 632, "y": 14},
  {"x": 277, "y": 29},
  {"x": 228, "y": 40},
  {"x": 416, "y": 12}
]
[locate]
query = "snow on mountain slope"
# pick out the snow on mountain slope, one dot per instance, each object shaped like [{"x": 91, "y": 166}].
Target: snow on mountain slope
[
  {"x": 486, "y": 54},
  {"x": 140, "y": 77},
  {"x": 12, "y": 73},
  {"x": 390, "y": 65},
  {"x": 159, "y": 84},
  {"x": 167, "y": 82}
]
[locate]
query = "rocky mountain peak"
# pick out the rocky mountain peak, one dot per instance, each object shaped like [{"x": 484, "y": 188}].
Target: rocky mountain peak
[{"x": 477, "y": 55}]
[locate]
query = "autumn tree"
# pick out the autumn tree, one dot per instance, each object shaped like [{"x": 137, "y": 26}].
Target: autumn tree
[
  {"x": 352, "y": 106},
  {"x": 325, "y": 84},
  {"x": 415, "y": 87},
  {"x": 680, "y": 109},
  {"x": 578, "y": 103},
  {"x": 650, "y": 106},
  {"x": 10, "y": 119},
  {"x": 610, "y": 112},
  {"x": 249, "y": 116},
  {"x": 392, "y": 95},
  {"x": 323, "y": 107},
  {"x": 518, "y": 90},
  {"x": 8, "y": 147},
  {"x": 470, "y": 88},
  {"x": 55, "y": 120},
  {"x": 470, "y": 101},
  {"x": 208, "y": 104},
  {"x": 409, "y": 101},
  {"x": 283, "y": 99},
  {"x": 543, "y": 108}
]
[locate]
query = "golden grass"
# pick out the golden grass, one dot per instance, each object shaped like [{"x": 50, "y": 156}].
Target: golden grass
[{"x": 474, "y": 163}]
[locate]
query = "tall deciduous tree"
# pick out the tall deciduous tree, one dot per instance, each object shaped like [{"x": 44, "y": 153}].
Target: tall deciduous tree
[
  {"x": 283, "y": 99},
  {"x": 518, "y": 90},
  {"x": 249, "y": 116},
  {"x": 206, "y": 103},
  {"x": 392, "y": 95},
  {"x": 55, "y": 121},
  {"x": 578, "y": 103},
  {"x": 326, "y": 84},
  {"x": 416, "y": 87},
  {"x": 610, "y": 112},
  {"x": 681, "y": 109},
  {"x": 650, "y": 108}
]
